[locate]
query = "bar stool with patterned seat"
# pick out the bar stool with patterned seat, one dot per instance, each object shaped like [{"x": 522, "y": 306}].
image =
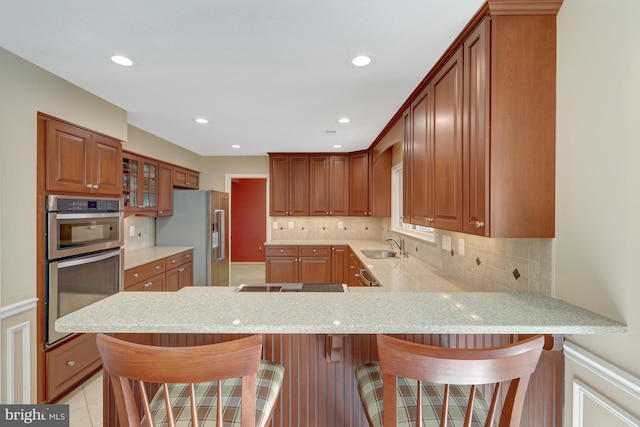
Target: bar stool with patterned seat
[
  {"x": 199, "y": 386},
  {"x": 417, "y": 385}
]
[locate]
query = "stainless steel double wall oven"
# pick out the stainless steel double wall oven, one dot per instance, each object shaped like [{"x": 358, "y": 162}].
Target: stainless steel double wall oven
[{"x": 84, "y": 240}]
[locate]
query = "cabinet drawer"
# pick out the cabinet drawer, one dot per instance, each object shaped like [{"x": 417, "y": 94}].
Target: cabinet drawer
[
  {"x": 282, "y": 250},
  {"x": 154, "y": 283},
  {"x": 70, "y": 363},
  {"x": 321, "y": 251},
  {"x": 142, "y": 272},
  {"x": 179, "y": 259}
]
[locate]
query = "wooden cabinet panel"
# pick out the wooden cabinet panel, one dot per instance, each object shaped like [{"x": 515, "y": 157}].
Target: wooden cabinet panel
[
  {"x": 314, "y": 251},
  {"x": 328, "y": 185},
  {"x": 288, "y": 185},
  {"x": 281, "y": 269},
  {"x": 314, "y": 269},
  {"x": 179, "y": 259},
  {"x": 165, "y": 189},
  {"x": 186, "y": 178},
  {"x": 179, "y": 277},
  {"x": 80, "y": 161},
  {"x": 446, "y": 153},
  {"x": 359, "y": 184},
  {"x": 140, "y": 190},
  {"x": 152, "y": 284},
  {"x": 418, "y": 153},
  {"x": 339, "y": 264},
  {"x": 143, "y": 272},
  {"x": 70, "y": 363}
]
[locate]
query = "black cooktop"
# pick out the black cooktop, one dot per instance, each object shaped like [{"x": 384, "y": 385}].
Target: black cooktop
[{"x": 293, "y": 287}]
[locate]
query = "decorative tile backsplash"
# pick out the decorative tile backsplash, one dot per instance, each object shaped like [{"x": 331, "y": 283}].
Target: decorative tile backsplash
[
  {"x": 508, "y": 265},
  {"x": 144, "y": 232},
  {"x": 501, "y": 265}
]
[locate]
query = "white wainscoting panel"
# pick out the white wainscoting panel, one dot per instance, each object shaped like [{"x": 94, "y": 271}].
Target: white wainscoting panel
[
  {"x": 601, "y": 393},
  {"x": 18, "y": 361}
]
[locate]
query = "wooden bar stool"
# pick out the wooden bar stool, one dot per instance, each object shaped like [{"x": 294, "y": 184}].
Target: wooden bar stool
[
  {"x": 198, "y": 386},
  {"x": 415, "y": 384}
]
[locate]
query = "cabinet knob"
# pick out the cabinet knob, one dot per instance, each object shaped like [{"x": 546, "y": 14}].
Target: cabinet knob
[
  {"x": 95, "y": 186},
  {"x": 188, "y": 256},
  {"x": 148, "y": 284},
  {"x": 479, "y": 224},
  {"x": 88, "y": 185},
  {"x": 157, "y": 267},
  {"x": 135, "y": 274},
  {"x": 71, "y": 363},
  {"x": 314, "y": 251},
  {"x": 181, "y": 269},
  {"x": 173, "y": 261}
]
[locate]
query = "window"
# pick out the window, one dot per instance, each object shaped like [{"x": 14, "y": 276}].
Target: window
[{"x": 424, "y": 233}]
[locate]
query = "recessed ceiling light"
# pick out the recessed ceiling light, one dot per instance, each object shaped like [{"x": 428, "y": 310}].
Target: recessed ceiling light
[
  {"x": 201, "y": 120},
  {"x": 337, "y": 146},
  {"x": 122, "y": 60},
  {"x": 344, "y": 120},
  {"x": 361, "y": 61},
  {"x": 235, "y": 146}
]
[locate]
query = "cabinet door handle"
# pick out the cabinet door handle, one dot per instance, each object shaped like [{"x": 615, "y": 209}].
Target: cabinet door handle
[
  {"x": 71, "y": 363},
  {"x": 479, "y": 224}
]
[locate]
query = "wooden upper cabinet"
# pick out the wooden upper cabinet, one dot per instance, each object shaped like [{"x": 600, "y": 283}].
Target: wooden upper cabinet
[
  {"x": 359, "y": 184},
  {"x": 444, "y": 164},
  {"x": 416, "y": 155},
  {"x": 80, "y": 161},
  {"x": 140, "y": 177},
  {"x": 288, "y": 185},
  {"x": 185, "y": 178},
  {"x": 475, "y": 216},
  {"x": 328, "y": 185},
  {"x": 165, "y": 189}
]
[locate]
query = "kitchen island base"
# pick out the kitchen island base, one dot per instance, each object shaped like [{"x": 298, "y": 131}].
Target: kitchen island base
[{"x": 319, "y": 387}]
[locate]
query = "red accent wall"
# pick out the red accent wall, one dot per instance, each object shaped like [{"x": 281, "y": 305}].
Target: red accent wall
[{"x": 248, "y": 219}]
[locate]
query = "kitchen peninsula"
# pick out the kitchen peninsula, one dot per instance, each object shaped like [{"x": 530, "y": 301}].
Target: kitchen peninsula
[{"x": 320, "y": 337}]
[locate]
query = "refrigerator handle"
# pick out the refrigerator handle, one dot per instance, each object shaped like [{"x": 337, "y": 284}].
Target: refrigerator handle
[{"x": 221, "y": 238}]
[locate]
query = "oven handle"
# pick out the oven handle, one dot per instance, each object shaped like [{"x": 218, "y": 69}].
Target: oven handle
[
  {"x": 86, "y": 215},
  {"x": 88, "y": 259}
]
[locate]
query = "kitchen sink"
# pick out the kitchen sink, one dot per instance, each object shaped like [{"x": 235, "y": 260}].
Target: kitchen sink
[
  {"x": 293, "y": 287},
  {"x": 379, "y": 253}
]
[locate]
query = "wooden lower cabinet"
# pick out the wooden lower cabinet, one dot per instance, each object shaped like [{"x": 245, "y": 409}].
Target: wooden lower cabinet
[
  {"x": 69, "y": 363},
  {"x": 339, "y": 264},
  {"x": 320, "y": 393},
  {"x": 166, "y": 274},
  {"x": 298, "y": 264}
]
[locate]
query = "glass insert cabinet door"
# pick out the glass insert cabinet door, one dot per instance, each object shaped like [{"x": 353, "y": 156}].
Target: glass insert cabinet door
[{"x": 140, "y": 183}]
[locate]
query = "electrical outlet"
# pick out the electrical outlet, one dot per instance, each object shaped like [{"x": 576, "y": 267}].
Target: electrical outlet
[
  {"x": 446, "y": 243},
  {"x": 290, "y": 225},
  {"x": 132, "y": 231},
  {"x": 274, "y": 225},
  {"x": 461, "y": 247},
  {"x": 340, "y": 225}
]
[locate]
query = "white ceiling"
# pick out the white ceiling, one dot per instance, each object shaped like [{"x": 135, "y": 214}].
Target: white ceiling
[{"x": 269, "y": 75}]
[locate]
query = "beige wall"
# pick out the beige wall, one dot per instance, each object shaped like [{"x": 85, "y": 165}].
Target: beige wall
[
  {"x": 24, "y": 90},
  {"x": 214, "y": 169},
  {"x": 598, "y": 173},
  {"x": 142, "y": 142}
]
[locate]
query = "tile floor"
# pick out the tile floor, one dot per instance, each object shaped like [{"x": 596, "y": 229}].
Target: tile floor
[{"x": 85, "y": 402}]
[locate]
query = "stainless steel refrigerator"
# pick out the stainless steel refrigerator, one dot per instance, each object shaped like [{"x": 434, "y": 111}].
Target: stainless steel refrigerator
[{"x": 200, "y": 219}]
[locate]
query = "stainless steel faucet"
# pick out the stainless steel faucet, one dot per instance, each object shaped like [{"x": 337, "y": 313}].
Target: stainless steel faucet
[{"x": 399, "y": 244}]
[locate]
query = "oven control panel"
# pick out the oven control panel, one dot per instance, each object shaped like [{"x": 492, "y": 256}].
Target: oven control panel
[{"x": 82, "y": 204}]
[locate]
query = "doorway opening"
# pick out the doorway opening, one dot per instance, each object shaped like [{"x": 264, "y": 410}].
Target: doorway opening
[{"x": 248, "y": 229}]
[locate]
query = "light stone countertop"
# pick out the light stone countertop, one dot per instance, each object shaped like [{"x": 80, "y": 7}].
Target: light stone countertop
[
  {"x": 138, "y": 257},
  {"x": 221, "y": 310},
  {"x": 413, "y": 298}
]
